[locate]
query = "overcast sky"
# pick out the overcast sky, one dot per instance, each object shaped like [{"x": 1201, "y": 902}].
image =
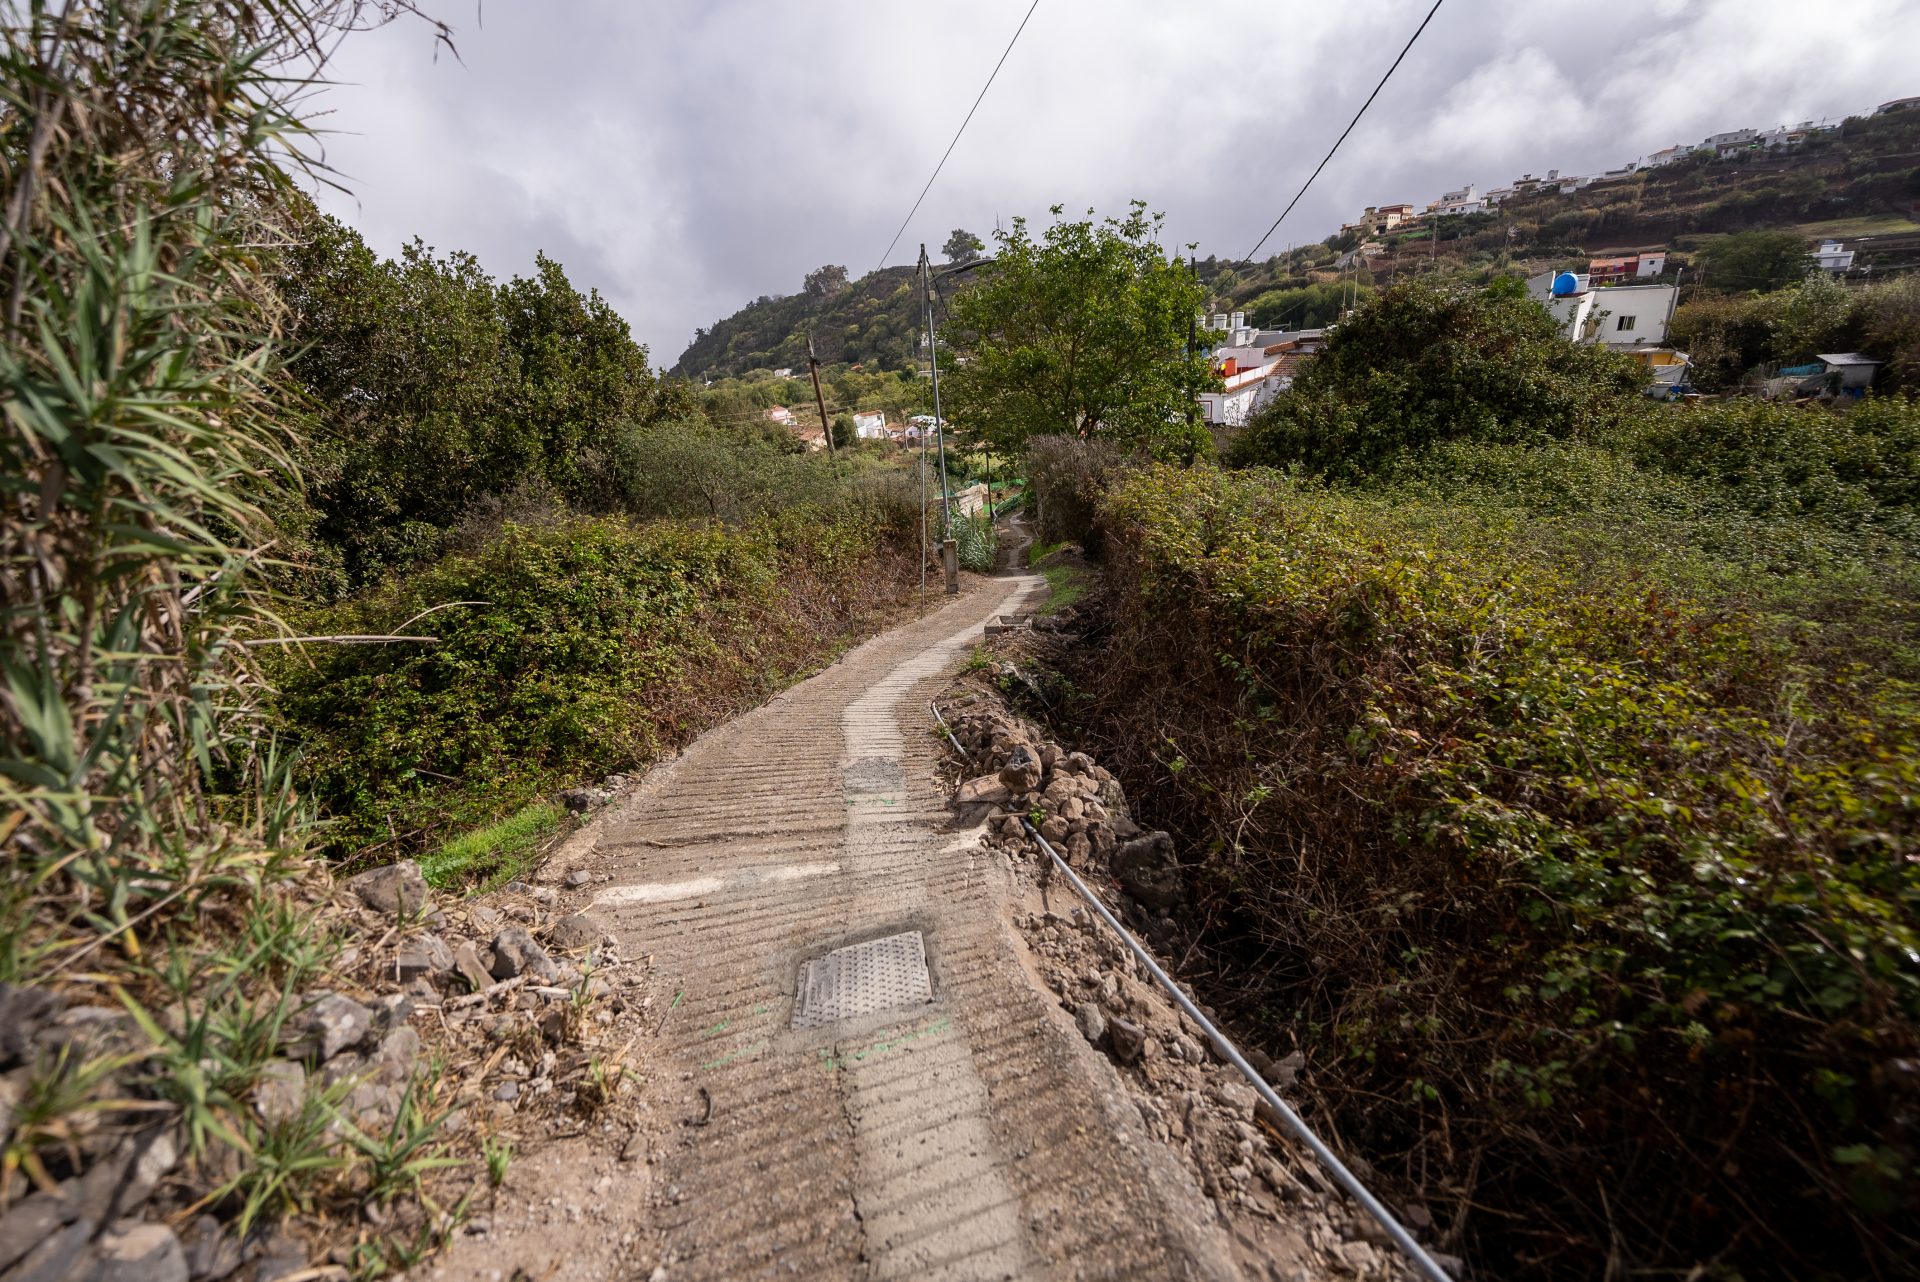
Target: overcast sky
[{"x": 685, "y": 157}]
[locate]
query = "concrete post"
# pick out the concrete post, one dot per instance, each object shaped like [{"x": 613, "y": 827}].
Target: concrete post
[{"x": 950, "y": 557}]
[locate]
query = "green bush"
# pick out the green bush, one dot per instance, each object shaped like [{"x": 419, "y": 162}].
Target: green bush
[
  {"x": 1849, "y": 469},
  {"x": 1580, "y": 877},
  {"x": 1423, "y": 364},
  {"x": 582, "y": 647}
]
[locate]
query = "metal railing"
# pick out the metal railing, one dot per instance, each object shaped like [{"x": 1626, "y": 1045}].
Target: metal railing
[{"x": 1416, "y": 1254}]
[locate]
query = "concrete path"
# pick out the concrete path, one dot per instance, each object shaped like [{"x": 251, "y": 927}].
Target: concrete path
[{"x": 971, "y": 1136}]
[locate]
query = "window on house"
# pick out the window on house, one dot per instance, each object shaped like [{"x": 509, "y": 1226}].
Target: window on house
[{"x": 1625, "y": 322}]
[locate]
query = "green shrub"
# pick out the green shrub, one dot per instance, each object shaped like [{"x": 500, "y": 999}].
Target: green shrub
[
  {"x": 1423, "y": 364},
  {"x": 1850, "y": 469},
  {"x": 579, "y": 647},
  {"x": 1578, "y": 876}
]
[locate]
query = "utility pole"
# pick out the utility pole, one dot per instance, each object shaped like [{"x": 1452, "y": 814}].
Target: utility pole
[
  {"x": 949, "y": 549},
  {"x": 1193, "y": 270},
  {"x": 933, "y": 354},
  {"x": 813, "y": 367}
]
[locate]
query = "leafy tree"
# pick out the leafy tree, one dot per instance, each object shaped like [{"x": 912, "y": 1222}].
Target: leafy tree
[
  {"x": 1423, "y": 364},
  {"x": 693, "y": 468},
  {"x": 1080, "y": 332},
  {"x": 1815, "y": 316},
  {"x": 822, "y": 281},
  {"x": 843, "y": 431},
  {"x": 1762, "y": 260},
  {"x": 963, "y": 246},
  {"x": 1302, "y": 307},
  {"x": 436, "y": 387},
  {"x": 1890, "y": 329}
]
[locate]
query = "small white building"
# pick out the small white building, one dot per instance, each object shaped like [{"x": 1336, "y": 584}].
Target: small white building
[
  {"x": 781, "y": 415},
  {"x": 870, "y": 425},
  {"x": 1852, "y": 370},
  {"x": 1831, "y": 257}
]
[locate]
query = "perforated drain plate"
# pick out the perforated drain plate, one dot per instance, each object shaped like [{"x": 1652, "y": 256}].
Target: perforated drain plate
[{"x": 862, "y": 979}]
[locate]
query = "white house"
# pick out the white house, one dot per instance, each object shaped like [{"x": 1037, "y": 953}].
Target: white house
[
  {"x": 870, "y": 425},
  {"x": 1619, "y": 316},
  {"x": 1466, "y": 200},
  {"x": 1830, "y": 257},
  {"x": 1732, "y": 143},
  {"x": 781, "y": 415}
]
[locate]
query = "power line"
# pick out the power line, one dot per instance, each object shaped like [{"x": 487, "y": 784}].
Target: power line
[
  {"x": 956, "y": 137},
  {"x": 1349, "y": 129}
]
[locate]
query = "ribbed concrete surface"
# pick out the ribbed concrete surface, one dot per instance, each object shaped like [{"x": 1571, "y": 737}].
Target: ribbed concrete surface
[{"x": 970, "y": 1138}]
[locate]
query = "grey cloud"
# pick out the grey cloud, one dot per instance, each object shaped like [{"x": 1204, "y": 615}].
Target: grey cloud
[{"x": 684, "y": 158}]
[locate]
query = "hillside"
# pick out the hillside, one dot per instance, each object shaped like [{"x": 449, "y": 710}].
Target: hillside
[
  {"x": 1863, "y": 179},
  {"x": 873, "y": 321}
]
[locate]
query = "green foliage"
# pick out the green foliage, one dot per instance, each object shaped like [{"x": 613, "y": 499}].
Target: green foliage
[
  {"x": 489, "y": 857},
  {"x": 438, "y": 388},
  {"x": 1066, "y": 583},
  {"x": 596, "y": 643},
  {"x": 1756, "y": 260},
  {"x": 975, "y": 541},
  {"x": 826, "y": 280},
  {"x": 1423, "y": 364},
  {"x": 1728, "y": 337},
  {"x": 1310, "y": 306},
  {"x": 1723, "y": 337},
  {"x": 691, "y": 468},
  {"x": 1612, "y": 861},
  {"x": 143, "y": 445},
  {"x": 1851, "y": 470},
  {"x": 963, "y": 246},
  {"x": 873, "y": 322},
  {"x": 1080, "y": 332}
]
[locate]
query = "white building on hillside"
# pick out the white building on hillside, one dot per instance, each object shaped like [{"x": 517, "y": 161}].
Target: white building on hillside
[
  {"x": 1832, "y": 257},
  {"x": 870, "y": 425},
  {"x": 1619, "y": 316}
]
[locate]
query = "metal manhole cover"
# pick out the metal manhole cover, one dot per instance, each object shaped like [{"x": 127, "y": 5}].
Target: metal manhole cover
[{"x": 861, "y": 979}]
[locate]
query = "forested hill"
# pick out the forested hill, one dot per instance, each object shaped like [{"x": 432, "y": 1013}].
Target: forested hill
[{"x": 873, "y": 321}]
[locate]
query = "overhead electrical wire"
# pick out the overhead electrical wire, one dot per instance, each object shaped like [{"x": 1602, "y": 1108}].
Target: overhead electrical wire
[
  {"x": 1343, "y": 133},
  {"x": 956, "y": 137}
]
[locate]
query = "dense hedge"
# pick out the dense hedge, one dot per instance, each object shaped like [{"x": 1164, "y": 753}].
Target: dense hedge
[
  {"x": 1604, "y": 897},
  {"x": 597, "y": 644}
]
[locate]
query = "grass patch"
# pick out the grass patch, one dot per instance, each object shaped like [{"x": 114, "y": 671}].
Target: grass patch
[
  {"x": 1066, "y": 583},
  {"x": 1066, "y": 580},
  {"x": 492, "y": 856}
]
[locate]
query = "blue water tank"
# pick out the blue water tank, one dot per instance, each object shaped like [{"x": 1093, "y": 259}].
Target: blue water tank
[{"x": 1565, "y": 283}]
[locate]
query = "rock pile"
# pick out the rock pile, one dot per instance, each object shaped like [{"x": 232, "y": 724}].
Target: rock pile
[
  {"x": 1075, "y": 803},
  {"x": 507, "y": 990}
]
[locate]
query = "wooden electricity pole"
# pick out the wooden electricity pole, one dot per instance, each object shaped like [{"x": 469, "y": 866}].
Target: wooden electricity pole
[{"x": 813, "y": 367}]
